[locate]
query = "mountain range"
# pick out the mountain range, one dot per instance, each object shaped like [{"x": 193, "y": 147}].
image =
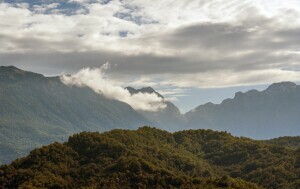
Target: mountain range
[
  {"x": 36, "y": 110},
  {"x": 257, "y": 114}
]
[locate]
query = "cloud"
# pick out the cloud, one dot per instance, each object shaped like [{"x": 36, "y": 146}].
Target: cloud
[
  {"x": 180, "y": 43},
  {"x": 232, "y": 79},
  {"x": 45, "y": 7},
  {"x": 171, "y": 93},
  {"x": 97, "y": 80}
]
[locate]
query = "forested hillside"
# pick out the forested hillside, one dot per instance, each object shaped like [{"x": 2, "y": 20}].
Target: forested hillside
[
  {"x": 152, "y": 158},
  {"x": 287, "y": 141}
]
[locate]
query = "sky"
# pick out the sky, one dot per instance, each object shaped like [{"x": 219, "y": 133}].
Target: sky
[{"x": 191, "y": 51}]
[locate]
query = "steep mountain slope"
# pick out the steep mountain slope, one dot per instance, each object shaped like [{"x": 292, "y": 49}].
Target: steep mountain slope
[
  {"x": 169, "y": 118},
  {"x": 152, "y": 158},
  {"x": 270, "y": 113},
  {"x": 36, "y": 110}
]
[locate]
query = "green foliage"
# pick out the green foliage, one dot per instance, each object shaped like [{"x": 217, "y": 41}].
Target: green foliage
[
  {"x": 270, "y": 166},
  {"x": 152, "y": 158},
  {"x": 287, "y": 141}
]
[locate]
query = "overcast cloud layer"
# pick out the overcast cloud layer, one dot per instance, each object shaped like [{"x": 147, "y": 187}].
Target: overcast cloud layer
[{"x": 178, "y": 43}]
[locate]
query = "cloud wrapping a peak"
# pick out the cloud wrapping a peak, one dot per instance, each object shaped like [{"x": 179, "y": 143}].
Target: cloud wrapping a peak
[{"x": 97, "y": 80}]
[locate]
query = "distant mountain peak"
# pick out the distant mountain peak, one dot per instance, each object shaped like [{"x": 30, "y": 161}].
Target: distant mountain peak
[
  {"x": 148, "y": 89},
  {"x": 12, "y": 73},
  {"x": 131, "y": 90},
  {"x": 281, "y": 87},
  {"x": 252, "y": 92},
  {"x": 7, "y": 69},
  {"x": 238, "y": 95}
]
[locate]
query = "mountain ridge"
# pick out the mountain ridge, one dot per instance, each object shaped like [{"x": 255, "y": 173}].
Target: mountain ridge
[
  {"x": 37, "y": 110},
  {"x": 143, "y": 90},
  {"x": 253, "y": 113},
  {"x": 284, "y": 86}
]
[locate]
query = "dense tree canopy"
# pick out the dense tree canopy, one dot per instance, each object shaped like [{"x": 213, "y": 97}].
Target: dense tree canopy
[{"x": 152, "y": 158}]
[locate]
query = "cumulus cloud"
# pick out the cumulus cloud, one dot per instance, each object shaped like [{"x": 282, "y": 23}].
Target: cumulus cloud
[
  {"x": 44, "y": 7},
  {"x": 96, "y": 79},
  {"x": 183, "y": 43}
]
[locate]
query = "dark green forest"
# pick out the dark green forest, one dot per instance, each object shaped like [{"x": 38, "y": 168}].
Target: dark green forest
[{"x": 153, "y": 158}]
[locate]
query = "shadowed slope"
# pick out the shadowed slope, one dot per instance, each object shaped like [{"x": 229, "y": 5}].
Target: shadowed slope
[{"x": 37, "y": 110}]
